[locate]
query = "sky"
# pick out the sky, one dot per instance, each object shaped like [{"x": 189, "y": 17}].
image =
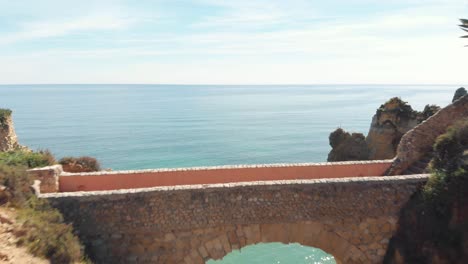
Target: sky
[{"x": 233, "y": 42}]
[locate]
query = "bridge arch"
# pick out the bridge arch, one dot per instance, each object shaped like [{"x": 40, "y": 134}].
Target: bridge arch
[
  {"x": 308, "y": 233},
  {"x": 352, "y": 219}
]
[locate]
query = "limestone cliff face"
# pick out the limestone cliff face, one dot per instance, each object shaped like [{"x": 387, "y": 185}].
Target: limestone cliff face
[
  {"x": 8, "y": 138},
  {"x": 391, "y": 121},
  {"x": 420, "y": 140}
]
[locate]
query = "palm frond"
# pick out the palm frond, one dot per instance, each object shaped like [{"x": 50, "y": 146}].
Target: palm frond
[{"x": 464, "y": 27}]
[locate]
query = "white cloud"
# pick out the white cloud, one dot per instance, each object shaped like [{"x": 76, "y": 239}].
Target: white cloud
[
  {"x": 254, "y": 14},
  {"x": 414, "y": 45},
  {"x": 44, "y": 29}
]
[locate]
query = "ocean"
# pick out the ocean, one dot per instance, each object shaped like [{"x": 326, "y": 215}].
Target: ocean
[{"x": 167, "y": 126}]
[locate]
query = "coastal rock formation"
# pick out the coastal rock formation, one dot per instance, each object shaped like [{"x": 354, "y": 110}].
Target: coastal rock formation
[
  {"x": 346, "y": 146},
  {"x": 433, "y": 225},
  {"x": 420, "y": 140},
  {"x": 459, "y": 93},
  {"x": 8, "y": 138},
  {"x": 390, "y": 122}
]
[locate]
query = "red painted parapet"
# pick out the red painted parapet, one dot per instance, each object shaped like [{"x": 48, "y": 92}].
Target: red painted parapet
[{"x": 114, "y": 180}]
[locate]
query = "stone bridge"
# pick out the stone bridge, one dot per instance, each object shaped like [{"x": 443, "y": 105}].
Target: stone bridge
[{"x": 192, "y": 215}]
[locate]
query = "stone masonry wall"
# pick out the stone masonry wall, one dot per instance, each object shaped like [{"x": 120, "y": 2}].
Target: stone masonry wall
[
  {"x": 350, "y": 218},
  {"x": 48, "y": 177},
  {"x": 419, "y": 141}
]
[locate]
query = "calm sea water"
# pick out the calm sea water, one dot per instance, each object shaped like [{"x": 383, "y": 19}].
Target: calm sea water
[
  {"x": 277, "y": 253},
  {"x": 155, "y": 126}
]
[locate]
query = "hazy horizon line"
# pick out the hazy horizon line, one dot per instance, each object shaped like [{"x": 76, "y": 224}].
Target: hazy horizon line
[{"x": 240, "y": 84}]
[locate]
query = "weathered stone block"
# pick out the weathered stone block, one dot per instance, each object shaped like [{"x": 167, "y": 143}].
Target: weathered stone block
[{"x": 48, "y": 176}]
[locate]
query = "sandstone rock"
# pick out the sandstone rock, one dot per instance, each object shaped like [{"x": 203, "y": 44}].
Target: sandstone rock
[
  {"x": 48, "y": 177},
  {"x": 8, "y": 138},
  {"x": 391, "y": 121},
  {"x": 459, "y": 93},
  {"x": 417, "y": 143}
]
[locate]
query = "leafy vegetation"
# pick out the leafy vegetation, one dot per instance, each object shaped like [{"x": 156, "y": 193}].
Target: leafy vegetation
[
  {"x": 401, "y": 107},
  {"x": 404, "y": 110},
  {"x": 80, "y": 164},
  {"x": 346, "y": 146},
  {"x": 16, "y": 183},
  {"x": 434, "y": 223},
  {"x": 27, "y": 159},
  {"x": 43, "y": 230},
  {"x": 4, "y": 113},
  {"x": 449, "y": 149},
  {"x": 429, "y": 110},
  {"x": 464, "y": 26},
  {"x": 460, "y": 92},
  {"x": 46, "y": 234}
]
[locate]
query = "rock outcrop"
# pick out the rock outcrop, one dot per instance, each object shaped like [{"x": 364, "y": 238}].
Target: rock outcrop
[
  {"x": 346, "y": 146},
  {"x": 460, "y": 92},
  {"x": 390, "y": 122},
  {"x": 8, "y": 138},
  {"x": 419, "y": 141},
  {"x": 433, "y": 225}
]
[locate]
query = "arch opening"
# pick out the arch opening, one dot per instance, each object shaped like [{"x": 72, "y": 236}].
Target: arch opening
[
  {"x": 311, "y": 234},
  {"x": 276, "y": 252}
]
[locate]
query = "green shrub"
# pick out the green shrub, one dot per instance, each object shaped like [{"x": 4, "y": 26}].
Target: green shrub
[
  {"x": 4, "y": 113},
  {"x": 429, "y": 110},
  {"x": 448, "y": 166},
  {"x": 449, "y": 149},
  {"x": 337, "y": 137},
  {"x": 402, "y": 108},
  {"x": 46, "y": 233},
  {"x": 17, "y": 184},
  {"x": 29, "y": 159},
  {"x": 433, "y": 224},
  {"x": 80, "y": 164}
]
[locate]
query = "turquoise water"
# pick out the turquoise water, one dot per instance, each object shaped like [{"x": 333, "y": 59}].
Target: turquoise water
[
  {"x": 277, "y": 253},
  {"x": 153, "y": 126}
]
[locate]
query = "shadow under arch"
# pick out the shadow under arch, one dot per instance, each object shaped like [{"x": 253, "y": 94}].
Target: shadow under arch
[{"x": 308, "y": 233}]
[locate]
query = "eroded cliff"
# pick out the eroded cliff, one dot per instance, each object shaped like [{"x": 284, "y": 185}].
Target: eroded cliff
[
  {"x": 391, "y": 121},
  {"x": 8, "y": 138},
  {"x": 433, "y": 225}
]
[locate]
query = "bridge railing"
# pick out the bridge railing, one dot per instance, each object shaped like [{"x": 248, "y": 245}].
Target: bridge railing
[{"x": 114, "y": 180}]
